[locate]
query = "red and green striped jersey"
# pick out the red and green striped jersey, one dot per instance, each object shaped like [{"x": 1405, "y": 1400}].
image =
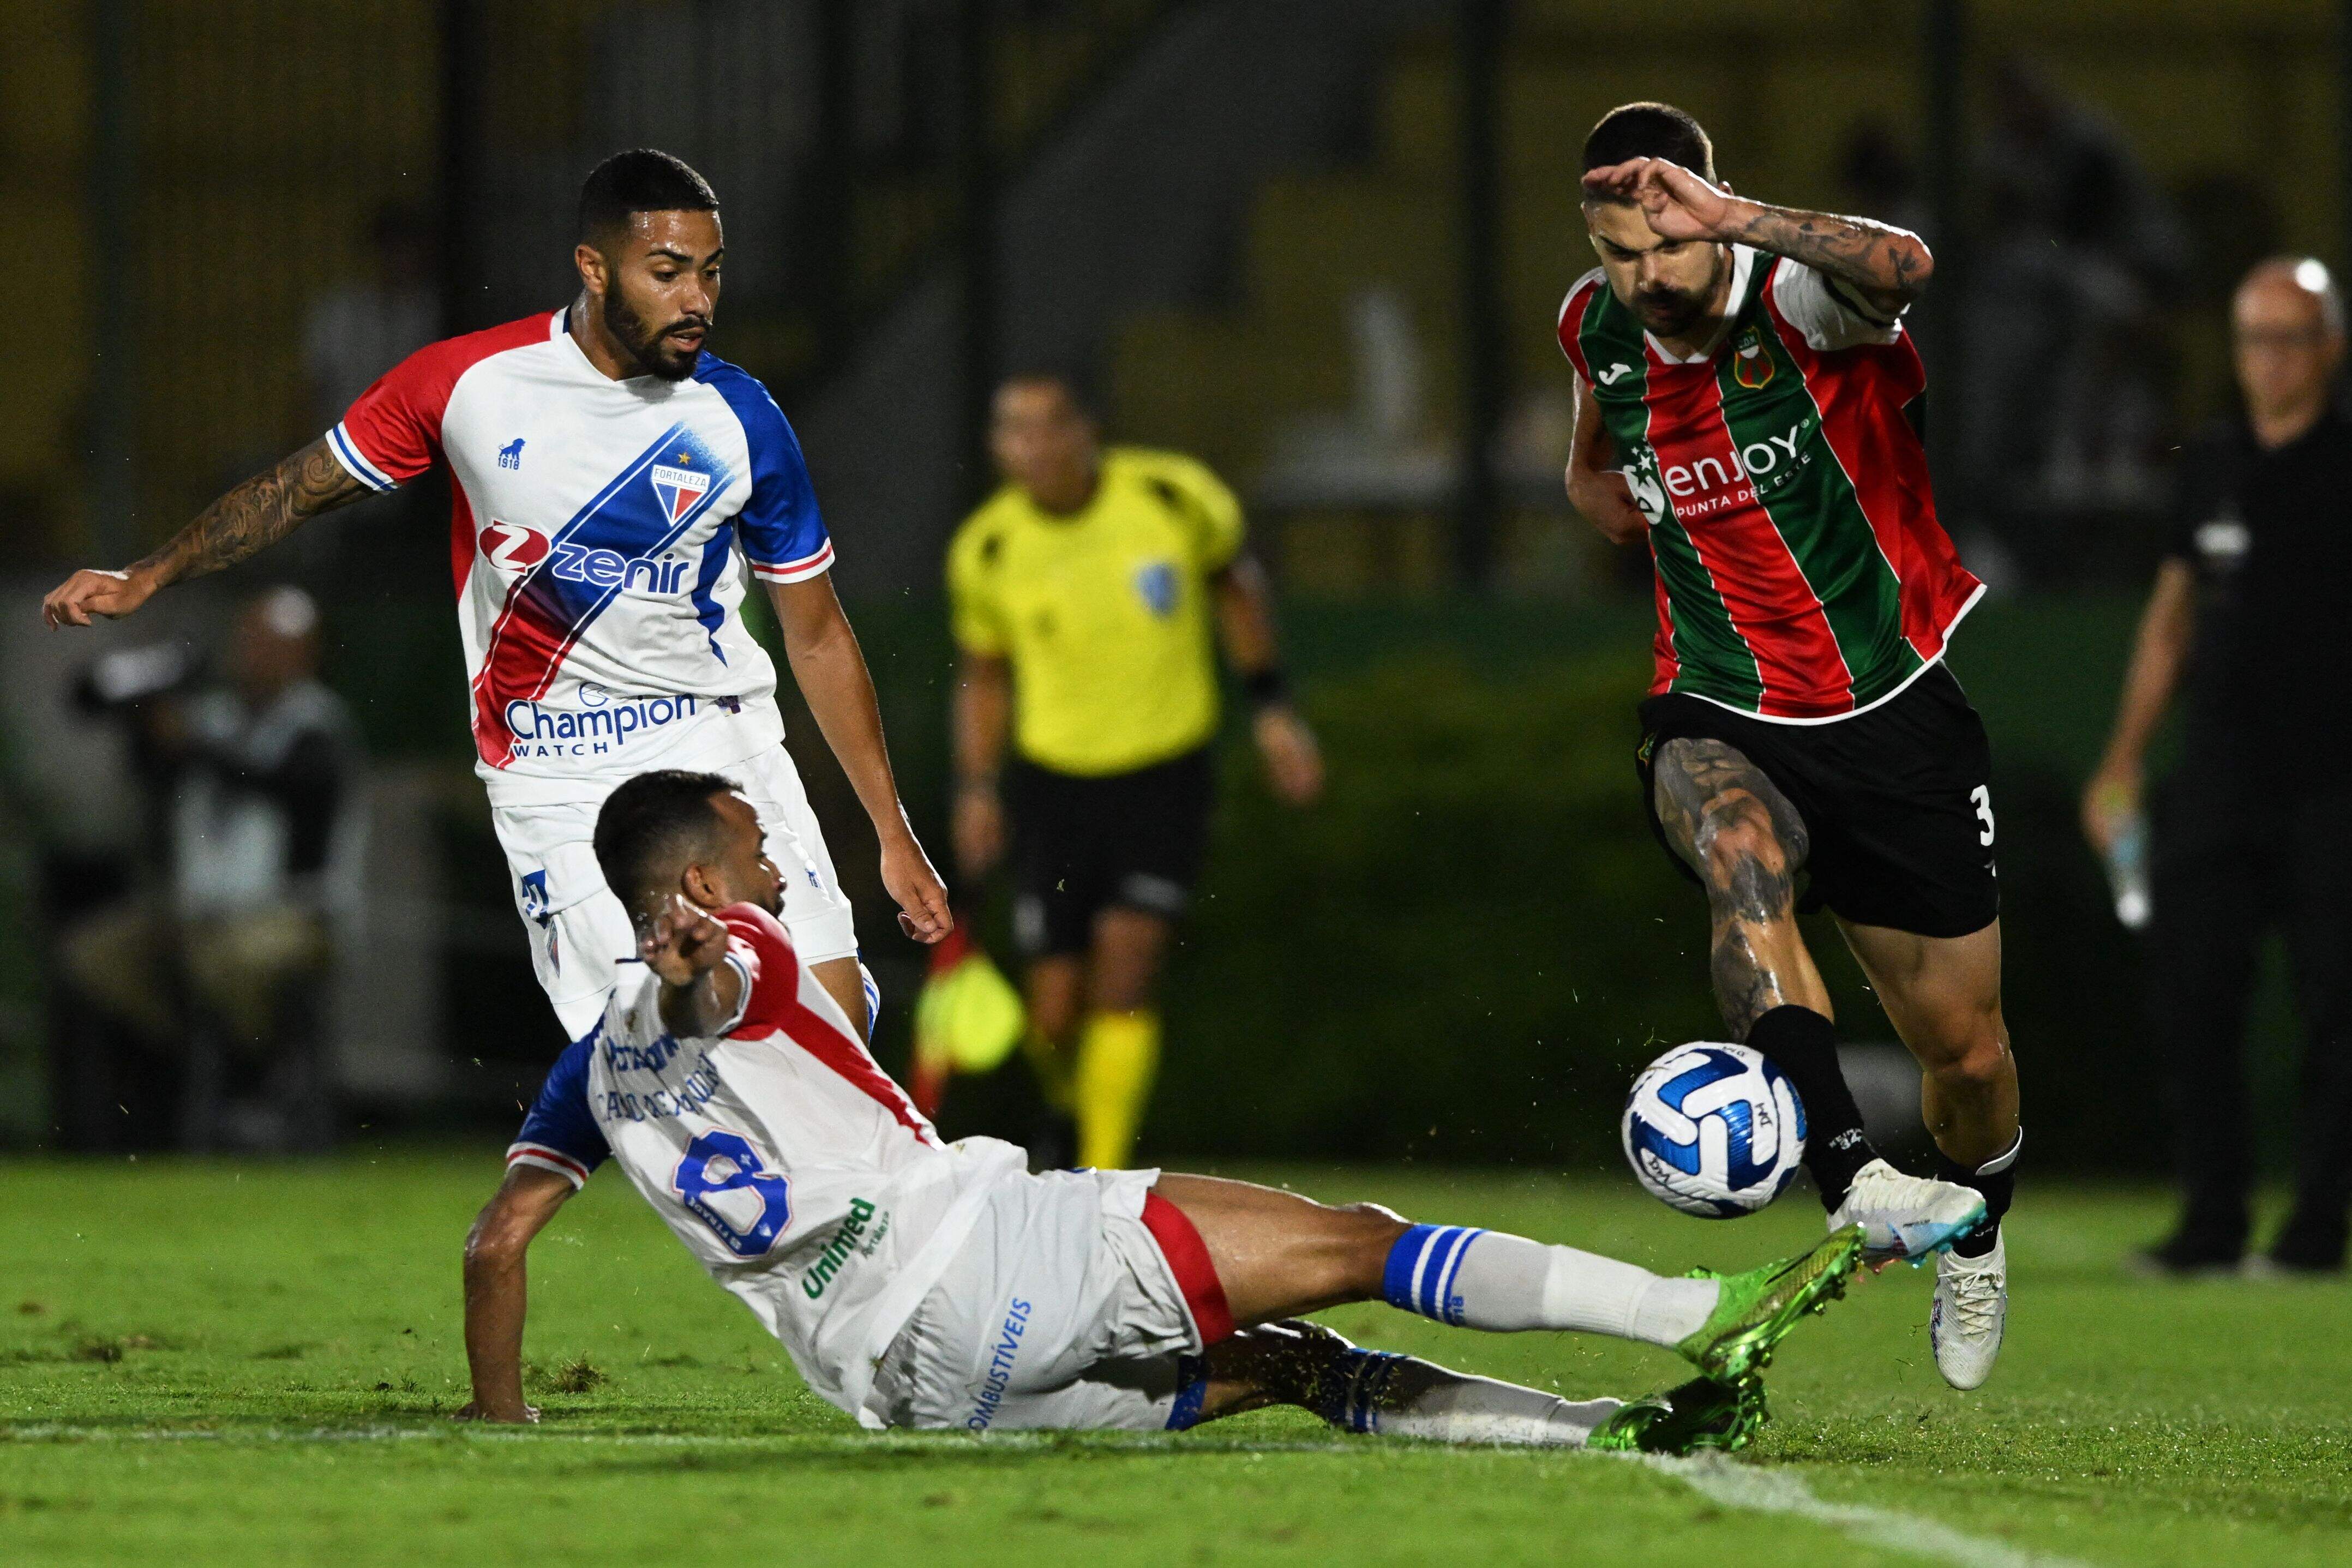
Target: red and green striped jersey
[{"x": 1801, "y": 574}]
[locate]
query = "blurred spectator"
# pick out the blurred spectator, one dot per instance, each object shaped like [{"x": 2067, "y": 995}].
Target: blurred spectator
[
  {"x": 356, "y": 331},
  {"x": 2065, "y": 401},
  {"x": 2248, "y": 831},
  {"x": 1879, "y": 179},
  {"x": 220, "y": 962}
]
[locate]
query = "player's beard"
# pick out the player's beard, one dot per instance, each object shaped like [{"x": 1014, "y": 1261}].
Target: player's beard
[
  {"x": 650, "y": 349},
  {"x": 1672, "y": 312}
]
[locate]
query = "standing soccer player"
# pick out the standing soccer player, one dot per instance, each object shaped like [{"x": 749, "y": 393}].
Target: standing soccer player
[
  {"x": 609, "y": 483},
  {"x": 1086, "y": 597},
  {"x": 1747, "y": 368}
]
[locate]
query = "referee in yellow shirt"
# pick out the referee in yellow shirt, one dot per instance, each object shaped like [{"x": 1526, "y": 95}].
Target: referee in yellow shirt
[{"x": 1087, "y": 595}]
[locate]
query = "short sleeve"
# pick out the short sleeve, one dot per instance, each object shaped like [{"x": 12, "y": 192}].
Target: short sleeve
[
  {"x": 783, "y": 533},
  {"x": 561, "y": 1134},
  {"x": 1830, "y": 313},
  {"x": 1211, "y": 507},
  {"x": 761, "y": 952},
  {"x": 975, "y": 613},
  {"x": 392, "y": 432}
]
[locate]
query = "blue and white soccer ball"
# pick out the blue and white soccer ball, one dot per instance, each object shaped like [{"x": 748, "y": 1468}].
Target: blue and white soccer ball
[{"x": 1714, "y": 1130}]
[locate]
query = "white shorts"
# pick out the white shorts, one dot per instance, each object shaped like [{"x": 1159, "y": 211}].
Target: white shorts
[
  {"x": 1068, "y": 1307},
  {"x": 578, "y": 932}
]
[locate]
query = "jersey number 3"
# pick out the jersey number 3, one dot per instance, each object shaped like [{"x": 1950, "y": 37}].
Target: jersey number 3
[{"x": 723, "y": 1180}]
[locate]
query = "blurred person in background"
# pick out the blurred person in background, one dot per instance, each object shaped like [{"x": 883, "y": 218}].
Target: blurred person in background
[
  {"x": 2247, "y": 830},
  {"x": 2065, "y": 363},
  {"x": 355, "y": 332},
  {"x": 245, "y": 784},
  {"x": 1088, "y": 596}
]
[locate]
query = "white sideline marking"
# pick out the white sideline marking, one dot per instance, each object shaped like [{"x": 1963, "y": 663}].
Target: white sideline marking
[{"x": 1763, "y": 1489}]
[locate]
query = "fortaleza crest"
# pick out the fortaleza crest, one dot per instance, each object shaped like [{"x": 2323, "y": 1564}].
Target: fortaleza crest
[
  {"x": 1751, "y": 367},
  {"x": 679, "y": 489}
]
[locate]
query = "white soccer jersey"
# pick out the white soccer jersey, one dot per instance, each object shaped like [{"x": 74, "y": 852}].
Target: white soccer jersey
[
  {"x": 790, "y": 1166},
  {"x": 595, "y": 532}
]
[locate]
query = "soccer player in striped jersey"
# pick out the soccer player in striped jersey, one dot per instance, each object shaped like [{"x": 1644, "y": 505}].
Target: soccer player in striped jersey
[
  {"x": 1748, "y": 403},
  {"x": 925, "y": 1284}
]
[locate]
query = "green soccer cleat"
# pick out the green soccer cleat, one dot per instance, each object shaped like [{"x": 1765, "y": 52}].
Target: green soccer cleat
[
  {"x": 1701, "y": 1414},
  {"x": 1759, "y": 1308}
]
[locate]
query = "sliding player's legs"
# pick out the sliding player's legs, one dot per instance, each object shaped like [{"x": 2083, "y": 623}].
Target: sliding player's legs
[{"x": 1112, "y": 1300}]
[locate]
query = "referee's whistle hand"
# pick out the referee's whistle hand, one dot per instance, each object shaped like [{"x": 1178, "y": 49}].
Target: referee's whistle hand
[{"x": 1294, "y": 762}]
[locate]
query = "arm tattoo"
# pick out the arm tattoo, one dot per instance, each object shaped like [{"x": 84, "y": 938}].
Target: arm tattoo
[
  {"x": 1747, "y": 842},
  {"x": 1890, "y": 265},
  {"x": 257, "y": 513}
]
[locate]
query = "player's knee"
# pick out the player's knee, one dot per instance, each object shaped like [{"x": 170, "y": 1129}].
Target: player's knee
[{"x": 1971, "y": 1055}]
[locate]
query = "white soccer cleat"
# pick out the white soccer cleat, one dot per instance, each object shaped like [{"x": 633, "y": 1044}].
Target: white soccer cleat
[
  {"x": 1970, "y": 1312},
  {"x": 1907, "y": 1216}
]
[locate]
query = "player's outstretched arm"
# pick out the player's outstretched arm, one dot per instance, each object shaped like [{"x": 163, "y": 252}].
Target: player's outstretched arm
[
  {"x": 497, "y": 1291},
  {"x": 257, "y": 513},
  {"x": 1888, "y": 266},
  {"x": 831, "y": 669}
]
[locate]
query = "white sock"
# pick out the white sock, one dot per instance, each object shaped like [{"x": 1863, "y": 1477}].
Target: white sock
[
  {"x": 1403, "y": 1396},
  {"x": 1488, "y": 1279}
]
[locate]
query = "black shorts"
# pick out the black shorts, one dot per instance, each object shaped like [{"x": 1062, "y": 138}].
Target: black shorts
[
  {"x": 1130, "y": 841},
  {"x": 1898, "y": 802}
]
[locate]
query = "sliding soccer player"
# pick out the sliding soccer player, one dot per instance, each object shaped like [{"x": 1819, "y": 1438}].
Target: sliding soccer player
[
  {"x": 929, "y": 1285},
  {"x": 611, "y": 482},
  {"x": 1746, "y": 400}
]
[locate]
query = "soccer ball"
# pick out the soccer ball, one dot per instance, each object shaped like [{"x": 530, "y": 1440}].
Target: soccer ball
[{"x": 1714, "y": 1130}]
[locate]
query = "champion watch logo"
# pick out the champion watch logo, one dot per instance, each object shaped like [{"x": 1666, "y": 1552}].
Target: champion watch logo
[{"x": 679, "y": 489}]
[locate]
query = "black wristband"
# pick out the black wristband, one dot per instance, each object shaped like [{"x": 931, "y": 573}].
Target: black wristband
[{"x": 1266, "y": 687}]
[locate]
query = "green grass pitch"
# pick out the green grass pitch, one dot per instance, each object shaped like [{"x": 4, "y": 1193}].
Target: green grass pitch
[{"x": 252, "y": 1363}]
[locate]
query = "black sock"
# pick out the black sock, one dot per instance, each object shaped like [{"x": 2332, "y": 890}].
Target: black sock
[
  {"x": 1997, "y": 1180},
  {"x": 1804, "y": 1044}
]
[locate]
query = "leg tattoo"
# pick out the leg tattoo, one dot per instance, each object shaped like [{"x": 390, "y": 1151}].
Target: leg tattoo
[{"x": 1747, "y": 844}]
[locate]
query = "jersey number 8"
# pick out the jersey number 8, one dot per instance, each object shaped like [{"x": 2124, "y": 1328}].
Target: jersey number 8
[{"x": 723, "y": 1180}]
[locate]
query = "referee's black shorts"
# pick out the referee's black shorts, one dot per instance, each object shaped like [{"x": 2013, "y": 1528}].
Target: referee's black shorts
[
  {"x": 1898, "y": 802},
  {"x": 1082, "y": 845}
]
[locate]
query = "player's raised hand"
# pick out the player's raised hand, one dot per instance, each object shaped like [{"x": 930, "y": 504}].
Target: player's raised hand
[
  {"x": 683, "y": 943},
  {"x": 1676, "y": 203},
  {"x": 109, "y": 595},
  {"x": 907, "y": 873}
]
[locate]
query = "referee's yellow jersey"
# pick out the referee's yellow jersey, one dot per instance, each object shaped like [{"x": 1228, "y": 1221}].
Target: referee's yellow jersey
[{"x": 1104, "y": 613}]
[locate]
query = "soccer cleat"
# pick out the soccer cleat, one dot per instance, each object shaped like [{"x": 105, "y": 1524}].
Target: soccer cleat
[
  {"x": 1701, "y": 1414},
  {"x": 1972, "y": 1311},
  {"x": 1758, "y": 1309},
  {"x": 1907, "y": 1216}
]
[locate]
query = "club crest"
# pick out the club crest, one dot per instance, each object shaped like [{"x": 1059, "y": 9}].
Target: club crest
[
  {"x": 679, "y": 489},
  {"x": 1156, "y": 582},
  {"x": 1751, "y": 367}
]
